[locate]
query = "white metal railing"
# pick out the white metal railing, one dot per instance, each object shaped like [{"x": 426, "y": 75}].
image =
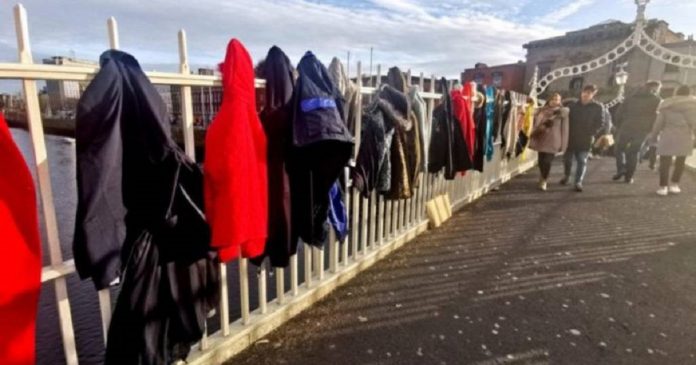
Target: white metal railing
[{"x": 377, "y": 226}]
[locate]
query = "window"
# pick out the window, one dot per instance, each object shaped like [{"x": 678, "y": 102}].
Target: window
[
  {"x": 479, "y": 78},
  {"x": 576, "y": 84},
  {"x": 497, "y": 79},
  {"x": 670, "y": 68},
  {"x": 544, "y": 68}
]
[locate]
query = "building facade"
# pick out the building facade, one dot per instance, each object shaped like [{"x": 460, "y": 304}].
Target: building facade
[
  {"x": 63, "y": 95},
  {"x": 589, "y": 43},
  {"x": 206, "y": 100},
  {"x": 508, "y": 77}
]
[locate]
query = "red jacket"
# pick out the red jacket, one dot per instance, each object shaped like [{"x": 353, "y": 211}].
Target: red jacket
[
  {"x": 235, "y": 177},
  {"x": 462, "y": 109},
  {"x": 20, "y": 255}
]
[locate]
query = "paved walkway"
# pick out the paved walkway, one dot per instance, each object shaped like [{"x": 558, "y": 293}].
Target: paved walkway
[{"x": 607, "y": 276}]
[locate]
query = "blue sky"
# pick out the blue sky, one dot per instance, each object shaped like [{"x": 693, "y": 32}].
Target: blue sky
[{"x": 440, "y": 37}]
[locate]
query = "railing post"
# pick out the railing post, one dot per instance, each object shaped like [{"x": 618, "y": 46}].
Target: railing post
[
  {"x": 186, "y": 99},
  {"x": 44, "y": 181}
]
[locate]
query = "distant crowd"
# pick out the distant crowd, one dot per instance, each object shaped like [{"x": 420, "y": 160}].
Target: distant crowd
[{"x": 643, "y": 128}]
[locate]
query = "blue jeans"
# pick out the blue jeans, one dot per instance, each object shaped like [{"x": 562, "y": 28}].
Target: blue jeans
[
  {"x": 581, "y": 159},
  {"x": 627, "y": 153}
]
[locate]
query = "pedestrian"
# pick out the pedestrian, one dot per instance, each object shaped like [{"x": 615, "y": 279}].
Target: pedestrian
[
  {"x": 586, "y": 119},
  {"x": 674, "y": 132},
  {"x": 549, "y": 135},
  {"x": 634, "y": 120}
]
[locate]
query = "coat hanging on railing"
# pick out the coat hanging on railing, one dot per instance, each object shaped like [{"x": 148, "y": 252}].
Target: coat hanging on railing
[
  {"x": 137, "y": 188},
  {"x": 20, "y": 262},
  {"x": 322, "y": 146},
  {"x": 276, "y": 118},
  {"x": 461, "y": 102},
  {"x": 490, "y": 121},
  {"x": 236, "y": 182},
  {"x": 448, "y": 149},
  {"x": 504, "y": 121},
  {"x": 481, "y": 121},
  {"x": 348, "y": 90}
]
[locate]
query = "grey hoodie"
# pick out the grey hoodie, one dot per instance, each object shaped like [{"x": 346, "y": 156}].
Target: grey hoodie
[{"x": 675, "y": 126}]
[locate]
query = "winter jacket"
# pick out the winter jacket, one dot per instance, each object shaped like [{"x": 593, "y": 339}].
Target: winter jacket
[
  {"x": 407, "y": 146},
  {"x": 419, "y": 109},
  {"x": 348, "y": 90},
  {"x": 550, "y": 133},
  {"x": 20, "y": 263},
  {"x": 448, "y": 149},
  {"x": 373, "y": 166},
  {"x": 277, "y": 123},
  {"x": 675, "y": 126},
  {"x": 491, "y": 94},
  {"x": 505, "y": 120},
  {"x": 321, "y": 148},
  {"x": 140, "y": 212},
  {"x": 236, "y": 182},
  {"x": 461, "y": 102},
  {"x": 636, "y": 116},
  {"x": 586, "y": 121},
  {"x": 482, "y": 128}
]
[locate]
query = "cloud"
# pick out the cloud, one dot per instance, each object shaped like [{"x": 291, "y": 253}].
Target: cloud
[
  {"x": 411, "y": 34},
  {"x": 566, "y": 11}
]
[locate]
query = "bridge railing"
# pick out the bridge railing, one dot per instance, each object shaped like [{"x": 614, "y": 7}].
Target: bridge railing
[{"x": 377, "y": 226}]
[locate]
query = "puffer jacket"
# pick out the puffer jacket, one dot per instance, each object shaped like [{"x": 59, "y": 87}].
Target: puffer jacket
[{"x": 675, "y": 126}]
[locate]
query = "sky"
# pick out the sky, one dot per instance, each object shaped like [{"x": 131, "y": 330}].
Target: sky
[{"x": 434, "y": 37}]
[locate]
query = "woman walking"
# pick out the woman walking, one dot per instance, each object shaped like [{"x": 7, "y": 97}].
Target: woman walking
[
  {"x": 550, "y": 135},
  {"x": 674, "y": 132}
]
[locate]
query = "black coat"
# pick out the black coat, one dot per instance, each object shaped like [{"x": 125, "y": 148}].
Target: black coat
[
  {"x": 586, "y": 120},
  {"x": 322, "y": 146},
  {"x": 277, "y": 123},
  {"x": 448, "y": 148},
  {"x": 140, "y": 211},
  {"x": 481, "y": 120},
  {"x": 636, "y": 116}
]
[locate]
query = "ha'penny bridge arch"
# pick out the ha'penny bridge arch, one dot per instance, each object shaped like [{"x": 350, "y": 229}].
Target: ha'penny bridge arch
[{"x": 638, "y": 39}]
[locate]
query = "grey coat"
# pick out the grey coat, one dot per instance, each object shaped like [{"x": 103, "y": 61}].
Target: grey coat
[
  {"x": 675, "y": 126},
  {"x": 555, "y": 138}
]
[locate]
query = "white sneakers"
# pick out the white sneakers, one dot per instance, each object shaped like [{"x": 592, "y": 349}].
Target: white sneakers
[
  {"x": 542, "y": 185},
  {"x": 672, "y": 189}
]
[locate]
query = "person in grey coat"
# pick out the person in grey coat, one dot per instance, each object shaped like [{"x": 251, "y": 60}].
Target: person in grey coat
[
  {"x": 674, "y": 131},
  {"x": 549, "y": 135}
]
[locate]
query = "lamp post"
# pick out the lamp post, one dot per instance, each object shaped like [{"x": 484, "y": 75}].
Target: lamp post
[{"x": 621, "y": 78}]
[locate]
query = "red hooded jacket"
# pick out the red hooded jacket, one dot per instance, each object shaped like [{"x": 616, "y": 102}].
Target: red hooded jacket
[
  {"x": 20, "y": 255},
  {"x": 235, "y": 176},
  {"x": 462, "y": 109}
]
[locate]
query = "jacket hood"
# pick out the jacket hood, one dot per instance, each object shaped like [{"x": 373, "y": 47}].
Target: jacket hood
[
  {"x": 396, "y": 79},
  {"x": 280, "y": 80},
  {"x": 118, "y": 56},
  {"x": 679, "y": 103},
  {"x": 237, "y": 71},
  {"x": 394, "y": 105},
  {"x": 340, "y": 78},
  {"x": 311, "y": 68}
]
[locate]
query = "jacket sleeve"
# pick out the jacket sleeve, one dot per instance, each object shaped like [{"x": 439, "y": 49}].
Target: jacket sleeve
[
  {"x": 565, "y": 127},
  {"x": 659, "y": 125},
  {"x": 99, "y": 223}
]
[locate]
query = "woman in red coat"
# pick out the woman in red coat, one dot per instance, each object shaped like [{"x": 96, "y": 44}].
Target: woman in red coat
[
  {"x": 235, "y": 176},
  {"x": 20, "y": 255}
]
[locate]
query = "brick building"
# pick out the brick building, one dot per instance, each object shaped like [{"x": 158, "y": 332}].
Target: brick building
[{"x": 509, "y": 77}]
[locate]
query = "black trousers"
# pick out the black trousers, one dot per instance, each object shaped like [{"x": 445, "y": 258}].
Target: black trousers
[
  {"x": 545, "y": 161},
  {"x": 666, "y": 164}
]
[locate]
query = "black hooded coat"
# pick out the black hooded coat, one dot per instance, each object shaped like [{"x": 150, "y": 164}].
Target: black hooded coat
[{"x": 139, "y": 216}]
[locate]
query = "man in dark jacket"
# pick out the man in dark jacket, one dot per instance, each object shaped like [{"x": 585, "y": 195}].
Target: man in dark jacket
[
  {"x": 634, "y": 120},
  {"x": 586, "y": 119}
]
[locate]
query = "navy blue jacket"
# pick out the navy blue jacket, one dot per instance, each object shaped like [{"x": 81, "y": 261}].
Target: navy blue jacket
[{"x": 322, "y": 146}]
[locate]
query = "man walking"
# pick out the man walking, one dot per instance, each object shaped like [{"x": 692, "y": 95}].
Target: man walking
[
  {"x": 634, "y": 120},
  {"x": 586, "y": 119}
]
